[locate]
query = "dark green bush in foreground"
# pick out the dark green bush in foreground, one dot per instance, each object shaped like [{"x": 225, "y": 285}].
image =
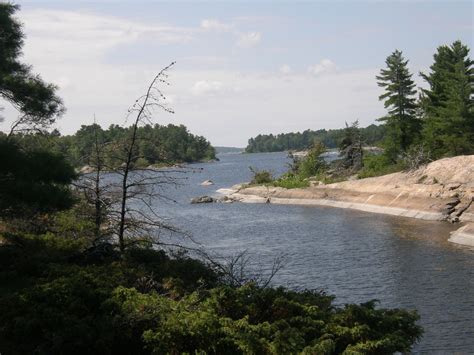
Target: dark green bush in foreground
[{"x": 60, "y": 297}]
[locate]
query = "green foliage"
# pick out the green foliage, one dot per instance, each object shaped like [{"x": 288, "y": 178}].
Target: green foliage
[
  {"x": 300, "y": 170},
  {"x": 251, "y": 320},
  {"x": 401, "y": 122},
  {"x": 35, "y": 99},
  {"x": 57, "y": 292},
  {"x": 448, "y": 103},
  {"x": 372, "y": 135},
  {"x": 350, "y": 148},
  {"x": 313, "y": 164},
  {"x": 291, "y": 181},
  {"x": 157, "y": 145},
  {"x": 33, "y": 182},
  {"x": 377, "y": 165},
  {"x": 260, "y": 176}
]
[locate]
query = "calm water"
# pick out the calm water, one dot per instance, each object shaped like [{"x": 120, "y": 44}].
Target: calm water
[{"x": 354, "y": 255}]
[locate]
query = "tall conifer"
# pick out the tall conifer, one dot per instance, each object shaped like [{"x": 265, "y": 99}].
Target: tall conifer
[
  {"x": 448, "y": 106},
  {"x": 399, "y": 98}
]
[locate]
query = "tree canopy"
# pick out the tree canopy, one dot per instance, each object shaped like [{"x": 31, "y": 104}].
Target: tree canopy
[
  {"x": 331, "y": 138},
  {"x": 156, "y": 145},
  {"x": 399, "y": 99},
  {"x": 36, "y": 100},
  {"x": 448, "y": 103},
  {"x": 31, "y": 181}
]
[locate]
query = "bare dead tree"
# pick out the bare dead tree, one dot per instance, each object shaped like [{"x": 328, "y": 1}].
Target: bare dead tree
[
  {"x": 122, "y": 194},
  {"x": 416, "y": 157},
  {"x": 133, "y": 188}
]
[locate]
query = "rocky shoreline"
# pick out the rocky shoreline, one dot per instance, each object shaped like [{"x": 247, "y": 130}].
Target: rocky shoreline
[{"x": 442, "y": 190}]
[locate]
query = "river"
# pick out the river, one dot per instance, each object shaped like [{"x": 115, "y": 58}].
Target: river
[{"x": 353, "y": 255}]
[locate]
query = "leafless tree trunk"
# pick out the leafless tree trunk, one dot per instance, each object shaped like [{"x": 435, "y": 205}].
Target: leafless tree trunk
[
  {"x": 142, "y": 108},
  {"x": 96, "y": 193}
]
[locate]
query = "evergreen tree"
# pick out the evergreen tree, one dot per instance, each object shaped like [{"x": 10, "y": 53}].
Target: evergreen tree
[
  {"x": 27, "y": 92},
  {"x": 448, "y": 108},
  {"x": 32, "y": 180},
  {"x": 399, "y": 98}
]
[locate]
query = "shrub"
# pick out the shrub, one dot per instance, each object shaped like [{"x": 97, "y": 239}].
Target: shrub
[
  {"x": 290, "y": 181},
  {"x": 313, "y": 164},
  {"x": 377, "y": 165},
  {"x": 261, "y": 176},
  {"x": 253, "y": 320}
]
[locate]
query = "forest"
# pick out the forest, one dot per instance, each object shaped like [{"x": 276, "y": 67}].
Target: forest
[
  {"x": 157, "y": 145},
  {"x": 373, "y": 136}
]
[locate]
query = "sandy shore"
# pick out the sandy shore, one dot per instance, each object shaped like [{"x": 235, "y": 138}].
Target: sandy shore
[{"x": 443, "y": 190}]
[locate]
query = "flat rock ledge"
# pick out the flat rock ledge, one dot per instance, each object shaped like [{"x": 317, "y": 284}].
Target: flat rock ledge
[
  {"x": 442, "y": 190},
  {"x": 463, "y": 235}
]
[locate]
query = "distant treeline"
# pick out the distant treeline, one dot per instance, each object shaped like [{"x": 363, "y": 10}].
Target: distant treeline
[
  {"x": 226, "y": 150},
  {"x": 372, "y": 135},
  {"x": 159, "y": 145}
]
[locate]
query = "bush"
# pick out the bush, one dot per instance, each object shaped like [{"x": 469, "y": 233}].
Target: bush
[
  {"x": 253, "y": 320},
  {"x": 313, "y": 164},
  {"x": 377, "y": 165},
  {"x": 290, "y": 181},
  {"x": 260, "y": 176}
]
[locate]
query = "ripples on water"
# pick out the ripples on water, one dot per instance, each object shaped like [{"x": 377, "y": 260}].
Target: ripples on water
[{"x": 354, "y": 255}]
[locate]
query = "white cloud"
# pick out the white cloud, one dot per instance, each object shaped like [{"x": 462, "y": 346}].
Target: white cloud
[
  {"x": 323, "y": 67},
  {"x": 62, "y": 36},
  {"x": 215, "y": 25},
  {"x": 250, "y": 39},
  {"x": 205, "y": 87},
  {"x": 285, "y": 69}
]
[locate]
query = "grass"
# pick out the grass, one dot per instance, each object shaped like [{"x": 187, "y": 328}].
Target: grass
[{"x": 291, "y": 182}]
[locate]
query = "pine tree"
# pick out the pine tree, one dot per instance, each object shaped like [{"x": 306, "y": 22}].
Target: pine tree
[
  {"x": 401, "y": 122},
  {"x": 448, "y": 106},
  {"x": 36, "y": 100}
]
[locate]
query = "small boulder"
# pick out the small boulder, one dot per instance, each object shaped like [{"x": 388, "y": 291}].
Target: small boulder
[
  {"x": 203, "y": 199},
  {"x": 207, "y": 183}
]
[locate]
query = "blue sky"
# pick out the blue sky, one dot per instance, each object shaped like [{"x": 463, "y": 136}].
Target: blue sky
[{"x": 243, "y": 68}]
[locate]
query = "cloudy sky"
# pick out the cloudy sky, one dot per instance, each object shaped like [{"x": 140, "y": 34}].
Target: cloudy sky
[{"x": 243, "y": 68}]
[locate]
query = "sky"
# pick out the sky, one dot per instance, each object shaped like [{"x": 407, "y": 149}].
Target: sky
[{"x": 242, "y": 68}]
